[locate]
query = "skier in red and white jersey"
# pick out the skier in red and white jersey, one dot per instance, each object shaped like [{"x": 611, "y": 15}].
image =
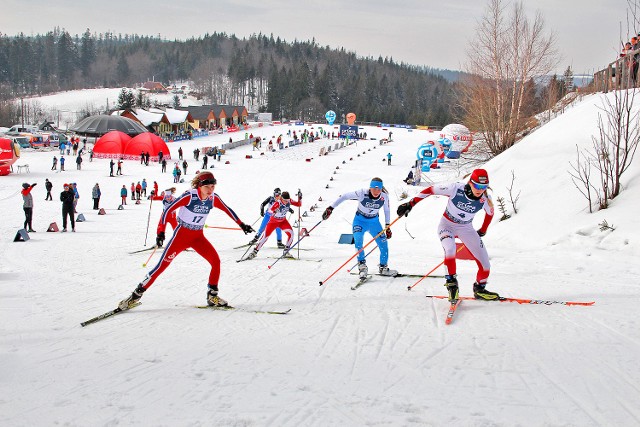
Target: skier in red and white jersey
[
  {"x": 193, "y": 207},
  {"x": 278, "y": 212},
  {"x": 167, "y": 198},
  {"x": 465, "y": 200}
]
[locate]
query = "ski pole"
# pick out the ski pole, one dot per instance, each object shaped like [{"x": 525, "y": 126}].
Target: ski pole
[
  {"x": 356, "y": 254},
  {"x": 434, "y": 269},
  {"x": 149, "y": 259},
  {"x": 356, "y": 264},
  {"x": 299, "y": 220},
  {"x": 146, "y": 234},
  {"x": 222, "y": 228},
  {"x": 295, "y": 244}
]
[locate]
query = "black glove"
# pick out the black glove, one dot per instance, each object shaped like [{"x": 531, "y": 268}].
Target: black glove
[
  {"x": 261, "y": 212},
  {"x": 405, "y": 208},
  {"x": 291, "y": 210},
  {"x": 481, "y": 233},
  {"x": 327, "y": 213},
  {"x": 160, "y": 239},
  {"x": 33, "y": 185},
  {"x": 299, "y": 194},
  {"x": 388, "y": 233},
  {"x": 246, "y": 228}
]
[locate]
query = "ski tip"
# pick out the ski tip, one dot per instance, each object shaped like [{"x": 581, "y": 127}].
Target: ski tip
[
  {"x": 408, "y": 288},
  {"x": 321, "y": 283}
]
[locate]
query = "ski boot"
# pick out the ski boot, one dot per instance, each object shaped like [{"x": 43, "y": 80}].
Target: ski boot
[
  {"x": 281, "y": 245},
  {"x": 251, "y": 255},
  {"x": 254, "y": 240},
  {"x": 286, "y": 253},
  {"x": 213, "y": 300},
  {"x": 479, "y": 292},
  {"x": 452, "y": 286},
  {"x": 363, "y": 269},
  {"x": 384, "y": 271},
  {"x": 131, "y": 301}
]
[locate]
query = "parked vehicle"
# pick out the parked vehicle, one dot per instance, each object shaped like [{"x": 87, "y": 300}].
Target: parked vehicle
[
  {"x": 15, "y": 129},
  {"x": 22, "y": 141},
  {"x": 54, "y": 139}
]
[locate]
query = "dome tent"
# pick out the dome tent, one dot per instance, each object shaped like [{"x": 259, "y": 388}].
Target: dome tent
[
  {"x": 111, "y": 145},
  {"x": 149, "y": 143},
  {"x": 102, "y": 124}
]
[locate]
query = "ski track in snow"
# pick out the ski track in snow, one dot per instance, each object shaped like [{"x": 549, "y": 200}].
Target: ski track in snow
[{"x": 379, "y": 355}]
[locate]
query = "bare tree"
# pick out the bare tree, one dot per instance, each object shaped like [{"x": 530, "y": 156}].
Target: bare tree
[
  {"x": 505, "y": 53},
  {"x": 613, "y": 148}
]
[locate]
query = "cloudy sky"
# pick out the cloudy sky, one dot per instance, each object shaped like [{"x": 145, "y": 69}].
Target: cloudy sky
[{"x": 418, "y": 32}]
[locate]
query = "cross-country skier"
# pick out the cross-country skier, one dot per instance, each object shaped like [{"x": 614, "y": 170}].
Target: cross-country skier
[
  {"x": 370, "y": 201},
  {"x": 278, "y": 212},
  {"x": 465, "y": 200},
  {"x": 193, "y": 207},
  {"x": 167, "y": 198},
  {"x": 267, "y": 203}
]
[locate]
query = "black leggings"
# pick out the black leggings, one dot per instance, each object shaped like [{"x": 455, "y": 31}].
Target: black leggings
[{"x": 28, "y": 216}]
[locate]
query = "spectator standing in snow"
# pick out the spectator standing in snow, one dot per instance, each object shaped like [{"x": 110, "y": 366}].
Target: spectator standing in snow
[
  {"x": 95, "y": 195},
  {"x": 164, "y": 165},
  {"x": 180, "y": 153},
  {"x": 144, "y": 187},
  {"x": 133, "y": 191},
  {"x": 111, "y": 165},
  {"x": 123, "y": 194},
  {"x": 48, "y": 186},
  {"x": 61, "y": 163},
  {"x": 205, "y": 161},
  {"x": 79, "y": 162},
  {"x": 389, "y": 159},
  {"x": 119, "y": 171},
  {"x": 184, "y": 166},
  {"x": 55, "y": 163},
  {"x": 27, "y": 205},
  {"x": 67, "y": 198}
]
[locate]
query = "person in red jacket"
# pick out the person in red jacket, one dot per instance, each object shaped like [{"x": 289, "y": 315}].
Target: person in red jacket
[
  {"x": 167, "y": 198},
  {"x": 278, "y": 211},
  {"x": 192, "y": 208},
  {"x": 28, "y": 205}
]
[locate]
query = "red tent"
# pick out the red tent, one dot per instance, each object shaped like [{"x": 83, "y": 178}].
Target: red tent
[
  {"x": 149, "y": 143},
  {"x": 111, "y": 145}
]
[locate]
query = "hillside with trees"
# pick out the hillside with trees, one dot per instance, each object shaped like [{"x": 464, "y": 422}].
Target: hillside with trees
[{"x": 298, "y": 80}]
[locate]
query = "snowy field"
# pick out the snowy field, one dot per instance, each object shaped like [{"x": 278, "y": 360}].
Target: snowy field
[{"x": 377, "y": 356}]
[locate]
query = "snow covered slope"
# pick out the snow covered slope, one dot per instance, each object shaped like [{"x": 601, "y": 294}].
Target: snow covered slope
[{"x": 380, "y": 355}]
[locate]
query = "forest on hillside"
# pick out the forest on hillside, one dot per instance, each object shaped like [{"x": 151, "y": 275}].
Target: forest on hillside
[{"x": 297, "y": 80}]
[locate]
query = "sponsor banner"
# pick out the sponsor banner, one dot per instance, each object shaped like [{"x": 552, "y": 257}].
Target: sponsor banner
[{"x": 349, "y": 130}]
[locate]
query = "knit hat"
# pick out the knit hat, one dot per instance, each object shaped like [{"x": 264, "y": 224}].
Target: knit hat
[
  {"x": 480, "y": 177},
  {"x": 25, "y": 185}
]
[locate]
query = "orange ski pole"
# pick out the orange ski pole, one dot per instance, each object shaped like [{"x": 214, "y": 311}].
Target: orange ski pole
[
  {"x": 356, "y": 254},
  {"x": 434, "y": 269},
  {"x": 149, "y": 259}
]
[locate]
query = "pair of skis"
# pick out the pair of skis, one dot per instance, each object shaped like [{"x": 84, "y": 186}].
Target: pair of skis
[
  {"x": 225, "y": 308},
  {"x": 453, "y": 305}
]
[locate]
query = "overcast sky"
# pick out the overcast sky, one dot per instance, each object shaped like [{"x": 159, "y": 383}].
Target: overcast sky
[{"x": 419, "y": 32}]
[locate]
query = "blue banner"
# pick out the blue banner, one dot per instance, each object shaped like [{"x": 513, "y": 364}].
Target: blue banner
[{"x": 349, "y": 130}]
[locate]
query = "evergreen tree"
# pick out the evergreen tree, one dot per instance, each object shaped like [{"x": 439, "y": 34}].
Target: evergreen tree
[
  {"x": 87, "y": 53},
  {"x": 122, "y": 69},
  {"x": 66, "y": 59},
  {"x": 126, "y": 100}
]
